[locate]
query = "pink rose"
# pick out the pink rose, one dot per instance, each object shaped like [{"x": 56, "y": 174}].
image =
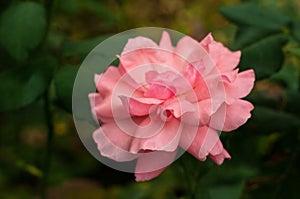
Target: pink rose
[{"x": 162, "y": 98}]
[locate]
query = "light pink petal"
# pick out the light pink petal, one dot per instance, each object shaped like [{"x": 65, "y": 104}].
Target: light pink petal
[
  {"x": 241, "y": 86},
  {"x": 207, "y": 41},
  {"x": 160, "y": 91},
  {"x": 222, "y": 56},
  {"x": 101, "y": 107},
  {"x": 139, "y": 106},
  {"x": 95, "y": 98},
  {"x": 217, "y": 149},
  {"x": 164, "y": 137},
  {"x": 140, "y": 177},
  {"x": 150, "y": 165},
  {"x": 178, "y": 106},
  {"x": 105, "y": 82},
  {"x": 165, "y": 41},
  {"x": 192, "y": 75},
  {"x": 136, "y": 64},
  {"x": 219, "y": 158},
  {"x": 218, "y": 153},
  {"x": 138, "y": 43},
  {"x": 196, "y": 114},
  {"x": 202, "y": 143},
  {"x": 190, "y": 50},
  {"x": 113, "y": 143},
  {"x": 143, "y": 54},
  {"x": 201, "y": 90},
  {"x": 230, "y": 117},
  {"x": 164, "y": 78},
  {"x": 167, "y": 83},
  {"x": 229, "y": 76},
  {"x": 218, "y": 94},
  {"x": 204, "y": 65},
  {"x": 102, "y": 104}
]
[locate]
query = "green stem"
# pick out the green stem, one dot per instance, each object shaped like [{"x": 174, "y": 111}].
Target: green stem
[
  {"x": 48, "y": 6},
  {"x": 191, "y": 175},
  {"x": 49, "y": 145}
]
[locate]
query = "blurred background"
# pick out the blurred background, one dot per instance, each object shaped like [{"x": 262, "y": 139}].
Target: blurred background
[{"x": 42, "y": 44}]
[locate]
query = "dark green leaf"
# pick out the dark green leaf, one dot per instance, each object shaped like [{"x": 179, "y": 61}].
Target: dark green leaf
[
  {"x": 64, "y": 81},
  {"x": 269, "y": 120},
  {"x": 22, "y": 27},
  {"x": 227, "y": 181},
  {"x": 295, "y": 51},
  {"x": 108, "y": 15},
  {"x": 20, "y": 88},
  {"x": 264, "y": 99},
  {"x": 265, "y": 56},
  {"x": 289, "y": 186},
  {"x": 249, "y": 14},
  {"x": 246, "y": 35},
  {"x": 83, "y": 47},
  {"x": 288, "y": 75},
  {"x": 292, "y": 99},
  {"x": 228, "y": 191},
  {"x": 296, "y": 30},
  {"x": 260, "y": 35}
]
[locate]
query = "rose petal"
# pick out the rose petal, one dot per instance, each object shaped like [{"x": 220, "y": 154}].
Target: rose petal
[
  {"x": 241, "y": 86},
  {"x": 160, "y": 92},
  {"x": 202, "y": 143},
  {"x": 113, "y": 143},
  {"x": 230, "y": 117},
  {"x": 164, "y": 137},
  {"x": 220, "y": 157},
  {"x": 138, "y": 43},
  {"x": 150, "y": 165},
  {"x": 165, "y": 41},
  {"x": 103, "y": 102},
  {"x": 140, "y": 177},
  {"x": 101, "y": 108},
  {"x": 222, "y": 56},
  {"x": 139, "y": 106},
  {"x": 190, "y": 50},
  {"x": 105, "y": 82},
  {"x": 229, "y": 76},
  {"x": 196, "y": 114},
  {"x": 168, "y": 83}
]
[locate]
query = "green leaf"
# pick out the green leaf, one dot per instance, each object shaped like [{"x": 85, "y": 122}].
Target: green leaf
[
  {"x": 71, "y": 48},
  {"x": 291, "y": 99},
  {"x": 288, "y": 75},
  {"x": 229, "y": 191},
  {"x": 295, "y": 51},
  {"x": 260, "y": 35},
  {"x": 289, "y": 185},
  {"x": 227, "y": 181},
  {"x": 22, "y": 28},
  {"x": 20, "y": 88},
  {"x": 263, "y": 120},
  {"x": 265, "y": 56},
  {"x": 296, "y": 30},
  {"x": 263, "y": 98},
  {"x": 64, "y": 82},
  {"x": 246, "y": 35},
  {"x": 249, "y": 14}
]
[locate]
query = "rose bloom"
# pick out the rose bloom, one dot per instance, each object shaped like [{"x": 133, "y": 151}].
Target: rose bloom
[{"x": 162, "y": 98}]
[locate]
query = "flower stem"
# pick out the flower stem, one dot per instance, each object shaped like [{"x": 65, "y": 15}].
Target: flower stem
[
  {"x": 48, "y": 7},
  {"x": 49, "y": 145},
  {"x": 190, "y": 170}
]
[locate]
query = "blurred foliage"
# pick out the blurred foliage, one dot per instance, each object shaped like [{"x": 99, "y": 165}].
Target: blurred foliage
[{"x": 42, "y": 43}]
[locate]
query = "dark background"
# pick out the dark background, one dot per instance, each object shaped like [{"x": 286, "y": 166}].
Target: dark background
[{"x": 42, "y": 44}]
